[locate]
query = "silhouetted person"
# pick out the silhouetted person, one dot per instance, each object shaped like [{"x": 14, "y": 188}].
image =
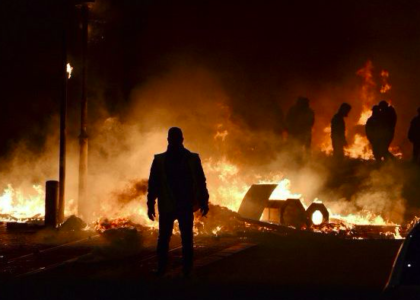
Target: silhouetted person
[
  {"x": 338, "y": 130},
  {"x": 414, "y": 137},
  {"x": 299, "y": 121},
  {"x": 388, "y": 119},
  {"x": 375, "y": 133},
  {"x": 178, "y": 182}
]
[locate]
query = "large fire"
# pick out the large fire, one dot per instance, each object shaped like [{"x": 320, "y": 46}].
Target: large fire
[
  {"x": 15, "y": 205},
  {"x": 23, "y": 204},
  {"x": 226, "y": 181}
]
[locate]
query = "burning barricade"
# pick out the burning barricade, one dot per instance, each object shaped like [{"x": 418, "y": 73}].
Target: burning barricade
[
  {"x": 264, "y": 207},
  {"x": 264, "y": 203}
]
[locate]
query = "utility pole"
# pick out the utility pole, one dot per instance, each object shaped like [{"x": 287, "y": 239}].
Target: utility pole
[
  {"x": 65, "y": 73},
  {"x": 83, "y": 136},
  {"x": 63, "y": 119}
]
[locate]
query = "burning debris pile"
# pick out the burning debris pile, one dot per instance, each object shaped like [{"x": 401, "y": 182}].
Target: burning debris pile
[
  {"x": 222, "y": 222},
  {"x": 263, "y": 206},
  {"x": 268, "y": 207},
  {"x": 105, "y": 224},
  {"x": 265, "y": 202},
  {"x": 17, "y": 207},
  {"x": 343, "y": 229}
]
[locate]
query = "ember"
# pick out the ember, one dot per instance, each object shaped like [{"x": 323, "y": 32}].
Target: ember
[{"x": 102, "y": 225}]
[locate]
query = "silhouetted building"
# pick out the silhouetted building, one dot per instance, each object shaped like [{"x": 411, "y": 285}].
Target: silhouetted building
[
  {"x": 338, "y": 130},
  {"x": 414, "y": 136},
  {"x": 299, "y": 122},
  {"x": 177, "y": 180}
]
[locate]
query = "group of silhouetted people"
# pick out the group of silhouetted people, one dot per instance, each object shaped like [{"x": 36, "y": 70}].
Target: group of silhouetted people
[{"x": 380, "y": 129}]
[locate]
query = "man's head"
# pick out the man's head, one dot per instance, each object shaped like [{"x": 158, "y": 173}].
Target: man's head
[
  {"x": 302, "y": 102},
  {"x": 375, "y": 110},
  {"x": 175, "y": 137},
  {"x": 383, "y": 104},
  {"x": 344, "y": 110}
]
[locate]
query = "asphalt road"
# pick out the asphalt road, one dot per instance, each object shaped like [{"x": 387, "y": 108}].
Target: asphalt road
[{"x": 273, "y": 266}]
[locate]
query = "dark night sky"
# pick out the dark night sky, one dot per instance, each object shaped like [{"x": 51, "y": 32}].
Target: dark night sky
[{"x": 257, "y": 47}]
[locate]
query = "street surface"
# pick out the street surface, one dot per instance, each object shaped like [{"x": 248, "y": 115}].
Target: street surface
[{"x": 253, "y": 264}]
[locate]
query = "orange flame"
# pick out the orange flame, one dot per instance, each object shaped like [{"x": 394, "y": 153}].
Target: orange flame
[
  {"x": 282, "y": 191},
  {"x": 359, "y": 149},
  {"x": 367, "y": 93},
  {"x": 385, "y": 85},
  {"x": 22, "y": 204}
]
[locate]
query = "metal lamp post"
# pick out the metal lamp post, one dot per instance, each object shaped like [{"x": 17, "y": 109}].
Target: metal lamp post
[
  {"x": 63, "y": 112},
  {"x": 83, "y": 136}
]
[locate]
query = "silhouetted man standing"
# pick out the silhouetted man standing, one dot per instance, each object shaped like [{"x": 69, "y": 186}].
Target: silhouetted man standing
[
  {"x": 414, "y": 137},
  {"x": 376, "y": 133},
  {"x": 299, "y": 121},
  {"x": 338, "y": 130},
  {"x": 388, "y": 118},
  {"x": 178, "y": 182}
]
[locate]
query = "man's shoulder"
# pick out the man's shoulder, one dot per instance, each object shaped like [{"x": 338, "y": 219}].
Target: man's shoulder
[
  {"x": 416, "y": 120},
  {"x": 192, "y": 155},
  {"x": 336, "y": 118},
  {"x": 160, "y": 156}
]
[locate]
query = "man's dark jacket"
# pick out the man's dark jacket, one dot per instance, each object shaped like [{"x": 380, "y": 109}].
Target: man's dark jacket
[{"x": 177, "y": 180}]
